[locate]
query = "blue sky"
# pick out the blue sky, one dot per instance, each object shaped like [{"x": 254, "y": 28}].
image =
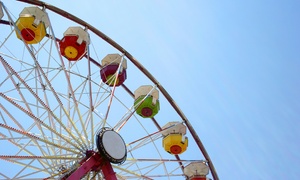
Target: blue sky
[{"x": 232, "y": 67}]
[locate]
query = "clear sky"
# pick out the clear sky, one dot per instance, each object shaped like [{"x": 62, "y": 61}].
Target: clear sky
[{"x": 231, "y": 66}]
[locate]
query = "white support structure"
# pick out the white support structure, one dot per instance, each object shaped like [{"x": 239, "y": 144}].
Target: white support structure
[
  {"x": 147, "y": 89},
  {"x": 114, "y": 59},
  {"x": 79, "y": 32},
  {"x": 177, "y": 128},
  {"x": 196, "y": 169},
  {"x": 37, "y": 13}
]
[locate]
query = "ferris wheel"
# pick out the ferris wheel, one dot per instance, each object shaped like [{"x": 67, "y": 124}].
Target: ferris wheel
[{"x": 76, "y": 105}]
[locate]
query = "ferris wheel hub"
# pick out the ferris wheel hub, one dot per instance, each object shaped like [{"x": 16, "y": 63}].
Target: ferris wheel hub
[{"x": 111, "y": 146}]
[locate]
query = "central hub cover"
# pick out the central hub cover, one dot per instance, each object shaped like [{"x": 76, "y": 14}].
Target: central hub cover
[{"x": 111, "y": 145}]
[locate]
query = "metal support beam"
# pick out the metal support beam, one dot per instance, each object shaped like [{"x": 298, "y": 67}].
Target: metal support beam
[{"x": 93, "y": 162}]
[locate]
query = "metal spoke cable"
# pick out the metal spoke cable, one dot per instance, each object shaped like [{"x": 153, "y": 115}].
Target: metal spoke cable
[
  {"x": 46, "y": 107},
  {"x": 42, "y": 72},
  {"x": 38, "y": 120},
  {"x": 72, "y": 93}
]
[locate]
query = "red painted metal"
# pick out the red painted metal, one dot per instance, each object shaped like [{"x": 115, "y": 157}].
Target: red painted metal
[
  {"x": 175, "y": 149},
  {"x": 198, "y": 178},
  {"x": 147, "y": 112},
  {"x": 108, "y": 171},
  {"x": 27, "y": 34},
  {"x": 72, "y": 41},
  {"x": 93, "y": 162}
]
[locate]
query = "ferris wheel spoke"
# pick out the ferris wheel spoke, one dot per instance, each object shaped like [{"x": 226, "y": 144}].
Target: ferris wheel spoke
[
  {"x": 126, "y": 117},
  {"x": 154, "y": 136},
  {"x": 97, "y": 125},
  {"x": 131, "y": 112},
  {"x": 34, "y": 137},
  {"x": 68, "y": 115},
  {"x": 149, "y": 138},
  {"x": 8, "y": 70},
  {"x": 39, "y": 121},
  {"x": 9, "y": 157},
  {"x": 143, "y": 142},
  {"x": 39, "y": 158},
  {"x": 16, "y": 161},
  {"x": 124, "y": 120},
  {"x": 25, "y": 167},
  {"x": 3, "y": 43},
  {"x": 10, "y": 116},
  {"x": 52, "y": 168},
  {"x": 63, "y": 108},
  {"x": 133, "y": 173},
  {"x": 91, "y": 108},
  {"x": 100, "y": 99},
  {"x": 20, "y": 146},
  {"x": 154, "y": 164},
  {"x": 77, "y": 111},
  {"x": 41, "y": 47},
  {"x": 81, "y": 89},
  {"x": 72, "y": 92},
  {"x": 42, "y": 73},
  {"x": 67, "y": 98},
  {"x": 40, "y": 81},
  {"x": 3, "y": 175},
  {"x": 21, "y": 126},
  {"x": 40, "y": 148},
  {"x": 62, "y": 157},
  {"x": 40, "y": 101},
  {"x": 113, "y": 78},
  {"x": 164, "y": 160},
  {"x": 51, "y": 122}
]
